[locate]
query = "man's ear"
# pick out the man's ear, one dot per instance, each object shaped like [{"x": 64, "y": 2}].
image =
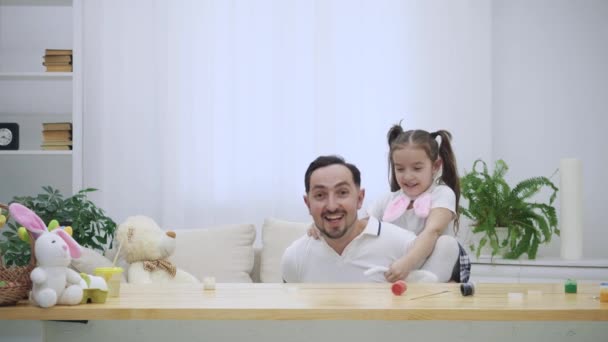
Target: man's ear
[
  {"x": 360, "y": 199},
  {"x": 305, "y": 197}
]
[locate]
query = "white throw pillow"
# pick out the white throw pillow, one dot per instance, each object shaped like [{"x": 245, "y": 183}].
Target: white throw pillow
[
  {"x": 89, "y": 260},
  {"x": 224, "y": 252},
  {"x": 277, "y": 235}
]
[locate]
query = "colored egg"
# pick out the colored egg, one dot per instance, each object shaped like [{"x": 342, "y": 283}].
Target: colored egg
[
  {"x": 53, "y": 224},
  {"x": 23, "y": 235}
]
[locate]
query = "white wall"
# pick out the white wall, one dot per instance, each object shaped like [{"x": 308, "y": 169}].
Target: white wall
[
  {"x": 518, "y": 80},
  {"x": 549, "y": 80},
  {"x": 447, "y": 70},
  {"x": 361, "y": 67}
]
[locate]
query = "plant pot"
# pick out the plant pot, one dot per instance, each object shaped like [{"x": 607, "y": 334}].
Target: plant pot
[
  {"x": 471, "y": 238},
  {"x": 486, "y": 251}
]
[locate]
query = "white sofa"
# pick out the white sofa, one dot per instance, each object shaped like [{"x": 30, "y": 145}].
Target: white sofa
[{"x": 227, "y": 253}]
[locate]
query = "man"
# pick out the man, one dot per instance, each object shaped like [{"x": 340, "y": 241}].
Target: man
[{"x": 350, "y": 249}]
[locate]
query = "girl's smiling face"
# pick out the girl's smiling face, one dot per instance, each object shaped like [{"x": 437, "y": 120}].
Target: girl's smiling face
[{"x": 414, "y": 170}]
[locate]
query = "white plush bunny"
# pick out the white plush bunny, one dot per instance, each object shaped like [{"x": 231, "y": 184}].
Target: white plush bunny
[{"x": 53, "y": 282}]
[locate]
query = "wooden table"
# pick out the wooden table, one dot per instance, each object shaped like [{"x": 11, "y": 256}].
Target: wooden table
[{"x": 491, "y": 302}]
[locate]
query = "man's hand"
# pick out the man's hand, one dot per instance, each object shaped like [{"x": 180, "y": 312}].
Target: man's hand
[{"x": 314, "y": 232}]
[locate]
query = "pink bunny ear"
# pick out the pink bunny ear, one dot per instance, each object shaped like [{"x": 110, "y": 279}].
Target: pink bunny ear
[
  {"x": 74, "y": 247},
  {"x": 27, "y": 218},
  {"x": 396, "y": 208},
  {"x": 422, "y": 205}
]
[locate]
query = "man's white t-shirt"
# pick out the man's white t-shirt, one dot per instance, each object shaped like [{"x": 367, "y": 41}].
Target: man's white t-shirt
[
  {"x": 308, "y": 260},
  {"x": 442, "y": 196}
]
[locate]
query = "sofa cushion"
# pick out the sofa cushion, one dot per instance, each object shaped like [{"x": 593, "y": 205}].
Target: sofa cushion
[
  {"x": 277, "y": 235},
  {"x": 89, "y": 260},
  {"x": 224, "y": 252}
]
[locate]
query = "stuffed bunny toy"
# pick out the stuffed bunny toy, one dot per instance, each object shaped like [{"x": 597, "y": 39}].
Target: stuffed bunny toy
[{"x": 53, "y": 282}]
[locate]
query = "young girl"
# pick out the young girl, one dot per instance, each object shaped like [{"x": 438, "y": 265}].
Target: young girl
[{"x": 424, "y": 199}]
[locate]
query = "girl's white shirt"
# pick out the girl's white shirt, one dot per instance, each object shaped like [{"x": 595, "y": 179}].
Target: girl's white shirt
[{"x": 442, "y": 196}]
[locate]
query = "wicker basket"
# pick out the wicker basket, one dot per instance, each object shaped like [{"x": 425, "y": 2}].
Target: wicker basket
[{"x": 17, "y": 278}]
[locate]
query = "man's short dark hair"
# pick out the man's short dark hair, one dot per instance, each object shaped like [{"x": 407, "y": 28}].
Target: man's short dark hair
[{"x": 324, "y": 161}]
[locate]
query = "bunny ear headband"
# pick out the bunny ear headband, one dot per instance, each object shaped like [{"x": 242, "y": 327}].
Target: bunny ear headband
[{"x": 35, "y": 225}]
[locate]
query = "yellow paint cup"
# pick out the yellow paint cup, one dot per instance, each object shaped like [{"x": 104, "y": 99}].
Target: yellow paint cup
[{"x": 112, "y": 277}]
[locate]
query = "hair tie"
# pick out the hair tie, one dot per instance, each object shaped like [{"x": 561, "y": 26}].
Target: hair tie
[{"x": 434, "y": 136}]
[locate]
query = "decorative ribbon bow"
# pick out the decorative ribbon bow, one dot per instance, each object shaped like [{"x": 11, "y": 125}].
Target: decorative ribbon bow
[
  {"x": 399, "y": 204},
  {"x": 162, "y": 264}
]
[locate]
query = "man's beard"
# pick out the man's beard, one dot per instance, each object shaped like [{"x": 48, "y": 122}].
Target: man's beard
[
  {"x": 334, "y": 237},
  {"x": 340, "y": 233}
]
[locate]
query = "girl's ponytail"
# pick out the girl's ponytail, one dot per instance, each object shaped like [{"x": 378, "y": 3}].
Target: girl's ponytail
[
  {"x": 393, "y": 134},
  {"x": 449, "y": 174}
]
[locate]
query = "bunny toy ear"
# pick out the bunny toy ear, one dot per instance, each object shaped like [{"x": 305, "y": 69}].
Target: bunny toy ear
[
  {"x": 27, "y": 218},
  {"x": 73, "y": 246}
]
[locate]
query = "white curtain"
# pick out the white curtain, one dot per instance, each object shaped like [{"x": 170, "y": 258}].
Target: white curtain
[{"x": 199, "y": 113}]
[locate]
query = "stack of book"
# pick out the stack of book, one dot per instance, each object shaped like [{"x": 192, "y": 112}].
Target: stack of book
[
  {"x": 57, "y": 136},
  {"x": 57, "y": 60}
]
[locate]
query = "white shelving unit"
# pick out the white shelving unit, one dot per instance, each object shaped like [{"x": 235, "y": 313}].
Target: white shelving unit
[
  {"x": 35, "y": 75},
  {"x": 30, "y": 96},
  {"x": 543, "y": 270}
]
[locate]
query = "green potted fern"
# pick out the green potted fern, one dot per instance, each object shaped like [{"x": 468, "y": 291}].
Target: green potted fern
[
  {"x": 90, "y": 225},
  {"x": 492, "y": 203}
]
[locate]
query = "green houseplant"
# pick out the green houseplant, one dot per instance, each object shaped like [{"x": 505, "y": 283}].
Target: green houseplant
[
  {"x": 91, "y": 227},
  {"x": 493, "y": 203}
]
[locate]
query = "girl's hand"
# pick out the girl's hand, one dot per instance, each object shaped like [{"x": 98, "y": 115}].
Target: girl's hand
[
  {"x": 314, "y": 232},
  {"x": 398, "y": 270}
]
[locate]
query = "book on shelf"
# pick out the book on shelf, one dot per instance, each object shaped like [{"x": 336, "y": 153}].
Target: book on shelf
[
  {"x": 59, "y": 68},
  {"x": 56, "y": 147},
  {"x": 56, "y": 64},
  {"x": 57, "y": 143},
  {"x": 58, "y": 59},
  {"x": 57, "y": 135},
  {"x": 58, "y": 52},
  {"x": 56, "y": 126}
]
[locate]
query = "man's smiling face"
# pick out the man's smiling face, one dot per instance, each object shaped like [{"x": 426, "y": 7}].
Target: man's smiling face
[{"x": 333, "y": 200}]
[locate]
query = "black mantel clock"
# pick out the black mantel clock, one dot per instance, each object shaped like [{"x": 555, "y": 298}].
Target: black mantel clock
[{"x": 9, "y": 136}]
